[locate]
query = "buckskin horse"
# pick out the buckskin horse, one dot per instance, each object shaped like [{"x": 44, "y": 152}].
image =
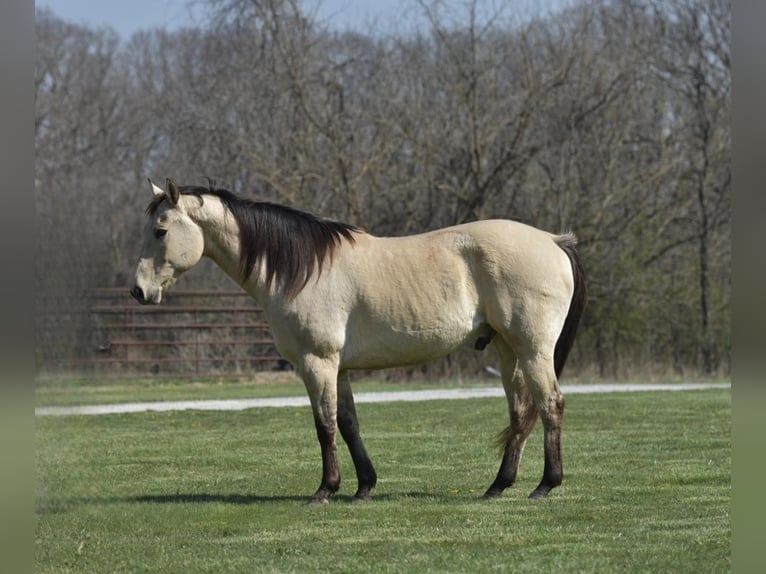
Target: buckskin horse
[{"x": 337, "y": 298}]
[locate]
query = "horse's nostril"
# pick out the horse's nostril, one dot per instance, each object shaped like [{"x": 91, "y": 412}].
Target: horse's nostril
[{"x": 137, "y": 293}]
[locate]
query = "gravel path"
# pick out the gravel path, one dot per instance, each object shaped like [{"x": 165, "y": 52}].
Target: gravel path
[{"x": 380, "y": 397}]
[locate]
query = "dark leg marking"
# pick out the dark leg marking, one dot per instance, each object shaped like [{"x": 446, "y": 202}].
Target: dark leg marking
[
  {"x": 348, "y": 424},
  {"x": 553, "y": 472},
  {"x": 330, "y": 470},
  {"x": 523, "y": 418}
]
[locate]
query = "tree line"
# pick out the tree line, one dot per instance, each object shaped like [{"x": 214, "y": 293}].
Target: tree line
[{"x": 607, "y": 118}]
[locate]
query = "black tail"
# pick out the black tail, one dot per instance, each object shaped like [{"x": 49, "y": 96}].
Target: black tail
[{"x": 567, "y": 243}]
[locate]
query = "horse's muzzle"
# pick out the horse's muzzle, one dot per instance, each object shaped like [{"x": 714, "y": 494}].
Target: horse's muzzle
[{"x": 138, "y": 295}]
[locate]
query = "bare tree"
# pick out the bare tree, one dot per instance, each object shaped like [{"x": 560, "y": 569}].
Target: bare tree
[{"x": 693, "y": 62}]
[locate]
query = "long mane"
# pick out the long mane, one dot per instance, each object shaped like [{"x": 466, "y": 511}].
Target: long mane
[{"x": 291, "y": 244}]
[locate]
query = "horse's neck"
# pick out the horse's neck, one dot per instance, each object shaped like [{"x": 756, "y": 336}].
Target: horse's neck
[
  {"x": 221, "y": 234},
  {"x": 222, "y": 245}
]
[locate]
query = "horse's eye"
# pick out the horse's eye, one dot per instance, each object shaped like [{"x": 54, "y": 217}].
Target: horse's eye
[{"x": 160, "y": 233}]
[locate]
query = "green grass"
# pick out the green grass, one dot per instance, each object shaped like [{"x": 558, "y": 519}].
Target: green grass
[
  {"x": 647, "y": 489},
  {"x": 88, "y": 392}
]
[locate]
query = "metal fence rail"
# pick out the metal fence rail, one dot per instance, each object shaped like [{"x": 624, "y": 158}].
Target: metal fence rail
[{"x": 192, "y": 333}]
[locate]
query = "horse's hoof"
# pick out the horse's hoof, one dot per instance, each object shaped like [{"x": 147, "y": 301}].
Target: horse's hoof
[
  {"x": 492, "y": 494},
  {"x": 361, "y": 498},
  {"x": 539, "y": 492},
  {"x": 313, "y": 501}
]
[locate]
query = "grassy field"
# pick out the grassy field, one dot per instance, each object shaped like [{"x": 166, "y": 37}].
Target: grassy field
[{"x": 647, "y": 489}]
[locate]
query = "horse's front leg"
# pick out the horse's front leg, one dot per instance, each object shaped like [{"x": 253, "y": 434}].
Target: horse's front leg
[{"x": 320, "y": 377}]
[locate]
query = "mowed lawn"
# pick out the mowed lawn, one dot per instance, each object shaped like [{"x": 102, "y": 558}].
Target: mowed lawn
[{"x": 647, "y": 489}]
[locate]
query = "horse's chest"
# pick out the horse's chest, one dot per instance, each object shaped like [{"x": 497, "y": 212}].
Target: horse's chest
[{"x": 315, "y": 331}]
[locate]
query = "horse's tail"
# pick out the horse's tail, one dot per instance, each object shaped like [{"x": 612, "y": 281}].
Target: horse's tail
[{"x": 565, "y": 341}]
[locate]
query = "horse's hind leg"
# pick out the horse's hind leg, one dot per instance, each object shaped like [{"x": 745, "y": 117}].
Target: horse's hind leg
[
  {"x": 349, "y": 430},
  {"x": 541, "y": 380},
  {"x": 523, "y": 415}
]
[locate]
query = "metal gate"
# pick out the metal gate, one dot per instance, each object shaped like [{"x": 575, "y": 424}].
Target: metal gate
[{"x": 192, "y": 333}]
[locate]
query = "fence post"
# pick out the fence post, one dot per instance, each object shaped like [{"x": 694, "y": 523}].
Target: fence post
[{"x": 196, "y": 342}]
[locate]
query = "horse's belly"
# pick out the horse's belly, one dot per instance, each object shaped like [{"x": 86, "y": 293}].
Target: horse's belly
[
  {"x": 381, "y": 346},
  {"x": 409, "y": 311}
]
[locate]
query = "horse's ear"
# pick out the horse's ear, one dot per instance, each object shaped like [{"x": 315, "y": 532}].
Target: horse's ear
[
  {"x": 172, "y": 191},
  {"x": 156, "y": 190}
]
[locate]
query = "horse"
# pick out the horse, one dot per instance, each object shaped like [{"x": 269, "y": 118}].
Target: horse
[{"x": 337, "y": 298}]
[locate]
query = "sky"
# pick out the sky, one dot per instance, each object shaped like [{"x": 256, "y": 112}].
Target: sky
[{"x": 129, "y": 16}]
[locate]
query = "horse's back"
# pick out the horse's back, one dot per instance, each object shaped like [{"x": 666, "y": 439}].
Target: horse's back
[
  {"x": 513, "y": 252},
  {"x": 494, "y": 251}
]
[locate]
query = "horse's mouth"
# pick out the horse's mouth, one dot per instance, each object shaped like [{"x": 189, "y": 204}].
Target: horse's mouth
[{"x": 139, "y": 295}]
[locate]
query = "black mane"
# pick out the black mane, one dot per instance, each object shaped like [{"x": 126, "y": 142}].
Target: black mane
[{"x": 291, "y": 243}]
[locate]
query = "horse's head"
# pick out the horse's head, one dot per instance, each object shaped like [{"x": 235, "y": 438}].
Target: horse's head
[{"x": 173, "y": 243}]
